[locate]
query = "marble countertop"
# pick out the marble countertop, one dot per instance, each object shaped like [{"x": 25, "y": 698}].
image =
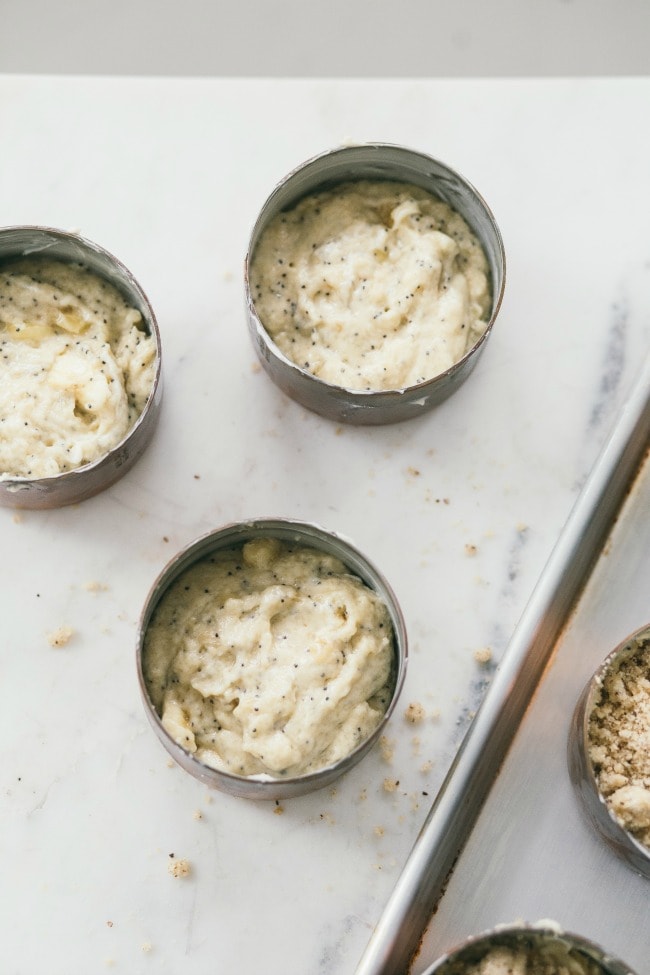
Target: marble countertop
[{"x": 460, "y": 509}]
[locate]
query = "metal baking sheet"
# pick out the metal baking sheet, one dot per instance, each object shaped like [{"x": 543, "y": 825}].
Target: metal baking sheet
[{"x": 506, "y": 838}]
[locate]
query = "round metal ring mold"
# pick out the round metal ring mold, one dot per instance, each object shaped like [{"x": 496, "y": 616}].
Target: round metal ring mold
[
  {"x": 375, "y": 161},
  {"x": 293, "y": 532}
]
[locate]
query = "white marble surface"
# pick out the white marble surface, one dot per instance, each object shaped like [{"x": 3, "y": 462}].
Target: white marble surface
[{"x": 169, "y": 174}]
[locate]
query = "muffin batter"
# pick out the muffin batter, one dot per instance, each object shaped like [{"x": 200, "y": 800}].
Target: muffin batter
[
  {"x": 371, "y": 285},
  {"x": 77, "y": 367},
  {"x": 269, "y": 659}
]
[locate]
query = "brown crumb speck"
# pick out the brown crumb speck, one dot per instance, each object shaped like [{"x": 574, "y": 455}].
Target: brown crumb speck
[
  {"x": 60, "y": 637},
  {"x": 387, "y": 749},
  {"x": 414, "y": 713},
  {"x": 483, "y": 655},
  {"x": 94, "y": 586},
  {"x": 391, "y": 785},
  {"x": 178, "y": 867}
]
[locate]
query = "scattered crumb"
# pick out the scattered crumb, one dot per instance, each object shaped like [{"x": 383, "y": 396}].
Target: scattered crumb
[
  {"x": 378, "y": 830},
  {"x": 414, "y": 713},
  {"x": 60, "y": 637},
  {"x": 171, "y": 763},
  {"x": 17, "y": 518},
  {"x": 435, "y": 714},
  {"x": 256, "y": 367},
  {"x": 521, "y": 528},
  {"x": 94, "y": 586},
  {"x": 483, "y": 656},
  {"x": 147, "y": 947},
  {"x": 109, "y": 924},
  {"x": 338, "y": 432},
  {"x": 197, "y": 814},
  {"x": 165, "y": 538},
  {"x": 278, "y": 809},
  {"x": 390, "y": 785},
  {"x": 415, "y": 801},
  {"x": 412, "y": 471},
  {"x": 416, "y": 744},
  {"x": 426, "y": 767},
  {"x": 363, "y": 795},
  {"x": 178, "y": 867},
  {"x": 387, "y": 749},
  {"x": 197, "y": 477},
  {"x": 328, "y": 818},
  {"x": 470, "y": 549}
]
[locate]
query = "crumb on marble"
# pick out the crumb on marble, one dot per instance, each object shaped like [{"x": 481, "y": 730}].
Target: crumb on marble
[
  {"x": 379, "y": 831},
  {"x": 60, "y": 637},
  {"x": 363, "y": 795},
  {"x": 256, "y": 367},
  {"x": 94, "y": 586},
  {"x": 414, "y": 713},
  {"x": 278, "y": 809},
  {"x": 387, "y": 749},
  {"x": 426, "y": 766},
  {"x": 197, "y": 814},
  {"x": 415, "y": 801},
  {"x": 483, "y": 655},
  {"x": 391, "y": 785},
  {"x": 17, "y": 518},
  {"x": 470, "y": 549},
  {"x": 109, "y": 924},
  {"x": 412, "y": 471},
  {"x": 147, "y": 947},
  {"x": 178, "y": 866}
]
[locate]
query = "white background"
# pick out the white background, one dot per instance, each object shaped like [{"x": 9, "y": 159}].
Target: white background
[{"x": 332, "y": 38}]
